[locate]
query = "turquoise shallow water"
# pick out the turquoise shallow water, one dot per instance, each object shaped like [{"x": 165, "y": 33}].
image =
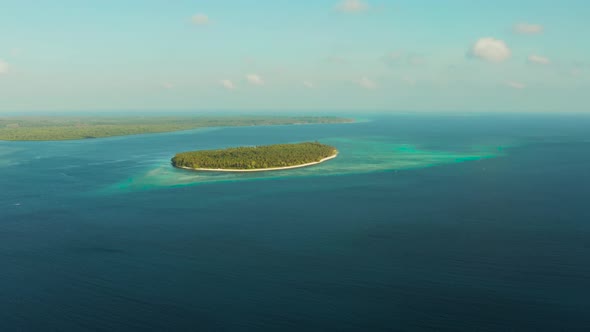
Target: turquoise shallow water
[
  {"x": 357, "y": 156},
  {"x": 423, "y": 222}
]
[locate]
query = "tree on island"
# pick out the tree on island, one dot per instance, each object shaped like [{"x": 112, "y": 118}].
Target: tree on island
[{"x": 259, "y": 157}]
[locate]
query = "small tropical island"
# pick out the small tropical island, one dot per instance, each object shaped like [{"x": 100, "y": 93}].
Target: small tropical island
[{"x": 256, "y": 159}]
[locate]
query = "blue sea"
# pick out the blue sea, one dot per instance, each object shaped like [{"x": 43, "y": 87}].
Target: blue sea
[{"x": 425, "y": 222}]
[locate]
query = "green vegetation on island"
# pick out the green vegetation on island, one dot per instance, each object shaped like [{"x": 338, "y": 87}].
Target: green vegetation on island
[
  {"x": 72, "y": 128},
  {"x": 256, "y": 158}
]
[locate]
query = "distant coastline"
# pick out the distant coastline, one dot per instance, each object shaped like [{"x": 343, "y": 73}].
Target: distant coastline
[
  {"x": 61, "y": 128},
  {"x": 259, "y": 169}
]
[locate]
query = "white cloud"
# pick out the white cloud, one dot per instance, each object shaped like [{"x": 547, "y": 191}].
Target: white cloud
[
  {"x": 254, "y": 79},
  {"x": 537, "y": 59},
  {"x": 228, "y": 84},
  {"x": 516, "y": 85},
  {"x": 15, "y": 52},
  {"x": 249, "y": 61},
  {"x": 335, "y": 59},
  {"x": 308, "y": 84},
  {"x": 367, "y": 83},
  {"x": 3, "y": 66},
  {"x": 352, "y": 6},
  {"x": 168, "y": 85},
  {"x": 393, "y": 56},
  {"x": 409, "y": 81},
  {"x": 200, "y": 19},
  {"x": 528, "y": 29},
  {"x": 491, "y": 49},
  {"x": 578, "y": 69},
  {"x": 416, "y": 60}
]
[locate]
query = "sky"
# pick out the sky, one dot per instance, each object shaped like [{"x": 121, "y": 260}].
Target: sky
[{"x": 280, "y": 56}]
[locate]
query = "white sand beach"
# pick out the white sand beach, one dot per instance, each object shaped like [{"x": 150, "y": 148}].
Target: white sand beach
[{"x": 260, "y": 169}]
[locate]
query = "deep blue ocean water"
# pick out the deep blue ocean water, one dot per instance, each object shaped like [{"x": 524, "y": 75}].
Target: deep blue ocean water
[{"x": 423, "y": 223}]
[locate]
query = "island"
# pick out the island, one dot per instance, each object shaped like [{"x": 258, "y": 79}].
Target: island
[
  {"x": 58, "y": 128},
  {"x": 256, "y": 159}
]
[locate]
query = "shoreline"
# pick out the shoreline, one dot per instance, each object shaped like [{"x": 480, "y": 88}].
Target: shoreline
[
  {"x": 345, "y": 121},
  {"x": 258, "y": 169}
]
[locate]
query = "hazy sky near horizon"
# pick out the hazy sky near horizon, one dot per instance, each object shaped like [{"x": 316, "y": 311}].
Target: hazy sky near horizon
[{"x": 321, "y": 55}]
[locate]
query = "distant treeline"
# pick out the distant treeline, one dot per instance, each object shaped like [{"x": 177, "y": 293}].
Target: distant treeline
[
  {"x": 70, "y": 128},
  {"x": 247, "y": 158}
]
